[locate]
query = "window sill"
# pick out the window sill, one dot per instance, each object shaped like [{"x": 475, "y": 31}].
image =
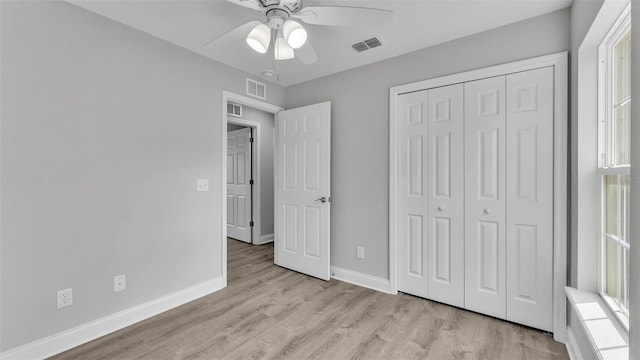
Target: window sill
[
  {"x": 615, "y": 309},
  {"x": 607, "y": 336}
]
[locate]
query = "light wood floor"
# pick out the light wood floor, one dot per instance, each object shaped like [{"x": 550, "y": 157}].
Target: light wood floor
[{"x": 267, "y": 312}]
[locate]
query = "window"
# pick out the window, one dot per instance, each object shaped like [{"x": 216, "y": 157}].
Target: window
[{"x": 614, "y": 165}]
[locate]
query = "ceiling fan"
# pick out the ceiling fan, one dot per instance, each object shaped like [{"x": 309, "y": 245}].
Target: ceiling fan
[{"x": 282, "y": 23}]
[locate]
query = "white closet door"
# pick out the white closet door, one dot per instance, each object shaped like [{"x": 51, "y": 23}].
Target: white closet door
[
  {"x": 530, "y": 198},
  {"x": 413, "y": 197},
  {"x": 485, "y": 196},
  {"x": 238, "y": 184},
  {"x": 446, "y": 195}
]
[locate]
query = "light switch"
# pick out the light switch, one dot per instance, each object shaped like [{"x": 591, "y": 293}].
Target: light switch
[{"x": 202, "y": 185}]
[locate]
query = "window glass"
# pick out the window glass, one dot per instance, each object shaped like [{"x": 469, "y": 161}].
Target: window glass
[
  {"x": 615, "y": 54},
  {"x": 611, "y": 205}
]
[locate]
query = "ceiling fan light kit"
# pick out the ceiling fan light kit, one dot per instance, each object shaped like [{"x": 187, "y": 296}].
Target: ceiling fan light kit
[
  {"x": 259, "y": 38},
  {"x": 282, "y": 50},
  {"x": 294, "y": 33},
  {"x": 289, "y": 35}
]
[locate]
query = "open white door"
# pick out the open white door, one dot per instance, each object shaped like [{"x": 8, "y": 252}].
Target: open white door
[
  {"x": 302, "y": 197},
  {"x": 238, "y": 184}
]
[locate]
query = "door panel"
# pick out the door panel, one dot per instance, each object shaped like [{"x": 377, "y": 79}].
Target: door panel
[
  {"x": 413, "y": 249},
  {"x": 529, "y": 221},
  {"x": 238, "y": 186},
  {"x": 303, "y": 140},
  {"x": 485, "y": 196},
  {"x": 446, "y": 195}
]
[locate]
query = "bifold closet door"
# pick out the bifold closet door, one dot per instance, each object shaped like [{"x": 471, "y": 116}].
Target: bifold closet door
[
  {"x": 485, "y": 196},
  {"x": 446, "y": 194},
  {"x": 413, "y": 196},
  {"x": 529, "y": 164},
  {"x": 431, "y": 246}
]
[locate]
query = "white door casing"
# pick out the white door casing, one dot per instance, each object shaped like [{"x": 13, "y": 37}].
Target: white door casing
[
  {"x": 302, "y": 196},
  {"x": 446, "y": 194},
  {"x": 529, "y": 221},
  {"x": 238, "y": 184},
  {"x": 485, "y": 196},
  {"x": 413, "y": 250}
]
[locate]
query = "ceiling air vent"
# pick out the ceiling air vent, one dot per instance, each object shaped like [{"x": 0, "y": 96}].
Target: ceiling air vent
[
  {"x": 366, "y": 45},
  {"x": 234, "y": 110},
  {"x": 256, "y": 89}
]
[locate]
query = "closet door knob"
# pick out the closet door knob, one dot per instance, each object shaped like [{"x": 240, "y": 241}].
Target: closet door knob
[
  {"x": 440, "y": 208},
  {"x": 487, "y": 211}
]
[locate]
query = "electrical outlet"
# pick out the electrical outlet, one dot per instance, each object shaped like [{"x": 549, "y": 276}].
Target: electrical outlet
[
  {"x": 360, "y": 252},
  {"x": 65, "y": 298},
  {"x": 119, "y": 283}
]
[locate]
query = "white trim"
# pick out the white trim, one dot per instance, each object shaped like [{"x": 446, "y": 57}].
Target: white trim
[
  {"x": 360, "y": 279},
  {"x": 265, "y": 239},
  {"x": 57, "y": 343},
  {"x": 579, "y": 297},
  {"x": 572, "y": 346},
  {"x": 561, "y": 136},
  {"x": 254, "y": 103}
]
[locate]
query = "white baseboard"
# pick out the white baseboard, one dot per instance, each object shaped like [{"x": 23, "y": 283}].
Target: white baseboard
[
  {"x": 572, "y": 346},
  {"x": 84, "y": 333},
  {"x": 360, "y": 279},
  {"x": 264, "y": 239}
]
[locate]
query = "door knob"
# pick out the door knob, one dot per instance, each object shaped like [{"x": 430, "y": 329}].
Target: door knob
[
  {"x": 440, "y": 208},
  {"x": 487, "y": 211},
  {"x": 322, "y": 199}
]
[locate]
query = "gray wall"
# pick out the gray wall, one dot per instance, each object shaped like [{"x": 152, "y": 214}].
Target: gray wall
[
  {"x": 360, "y": 125},
  {"x": 583, "y": 155},
  {"x": 104, "y": 132},
  {"x": 266, "y": 164},
  {"x": 232, "y": 127}
]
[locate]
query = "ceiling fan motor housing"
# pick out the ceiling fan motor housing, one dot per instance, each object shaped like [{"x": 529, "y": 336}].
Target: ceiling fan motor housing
[
  {"x": 290, "y": 6},
  {"x": 276, "y": 17}
]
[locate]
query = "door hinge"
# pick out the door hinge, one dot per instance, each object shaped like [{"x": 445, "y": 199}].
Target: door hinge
[
  {"x": 251, "y": 223},
  {"x": 250, "y": 139},
  {"x": 251, "y": 182}
]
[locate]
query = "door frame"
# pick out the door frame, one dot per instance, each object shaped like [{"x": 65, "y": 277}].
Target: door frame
[
  {"x": 559, "y": 62},
  {"x": 256, "y": 104}
]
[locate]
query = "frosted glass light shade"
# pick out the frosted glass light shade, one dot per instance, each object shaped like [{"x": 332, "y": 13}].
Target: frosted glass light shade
[
  {"x": 282, "y": 51},
  {"x": 259, "y": 38},
  {"x": 294, "y": 33}
]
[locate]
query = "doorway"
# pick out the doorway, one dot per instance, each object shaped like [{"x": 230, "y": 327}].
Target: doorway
[
  {"x": 254, "y": 111},
  {"x": 250, "y": 186},
  {"x": 301, "y": 175}
]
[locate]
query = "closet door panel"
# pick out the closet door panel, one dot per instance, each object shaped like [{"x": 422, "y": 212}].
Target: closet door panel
[
  {"x": 413, "y": 194},
  {"x": 446, "y": 195},
  {"x": 485, "y": 196},
  {"x": 529, "y": 160}
]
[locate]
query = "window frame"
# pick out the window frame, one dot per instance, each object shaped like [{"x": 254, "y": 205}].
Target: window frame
[{"x": 606, "y": 155}]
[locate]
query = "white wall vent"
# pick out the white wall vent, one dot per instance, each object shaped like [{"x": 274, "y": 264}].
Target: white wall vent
[
  {"x": 256, "y": 89},
  {"x": 234, "y": 109},
  {"x": 367, "y": 44}
]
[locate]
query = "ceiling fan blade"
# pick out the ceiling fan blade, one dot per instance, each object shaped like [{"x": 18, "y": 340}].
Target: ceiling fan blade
[
  {"x": 236, "y": 34},
  {"x": 249, "y": 4},
  {"x": 306, "y": 54},
  {"x": 344, "y": 16}
]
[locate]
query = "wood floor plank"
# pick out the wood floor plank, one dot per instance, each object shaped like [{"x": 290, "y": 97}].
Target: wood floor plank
[{"x": 268, "y": 312}]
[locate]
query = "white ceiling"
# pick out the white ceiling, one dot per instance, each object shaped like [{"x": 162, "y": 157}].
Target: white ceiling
[{"x": 416, "y": 25}]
